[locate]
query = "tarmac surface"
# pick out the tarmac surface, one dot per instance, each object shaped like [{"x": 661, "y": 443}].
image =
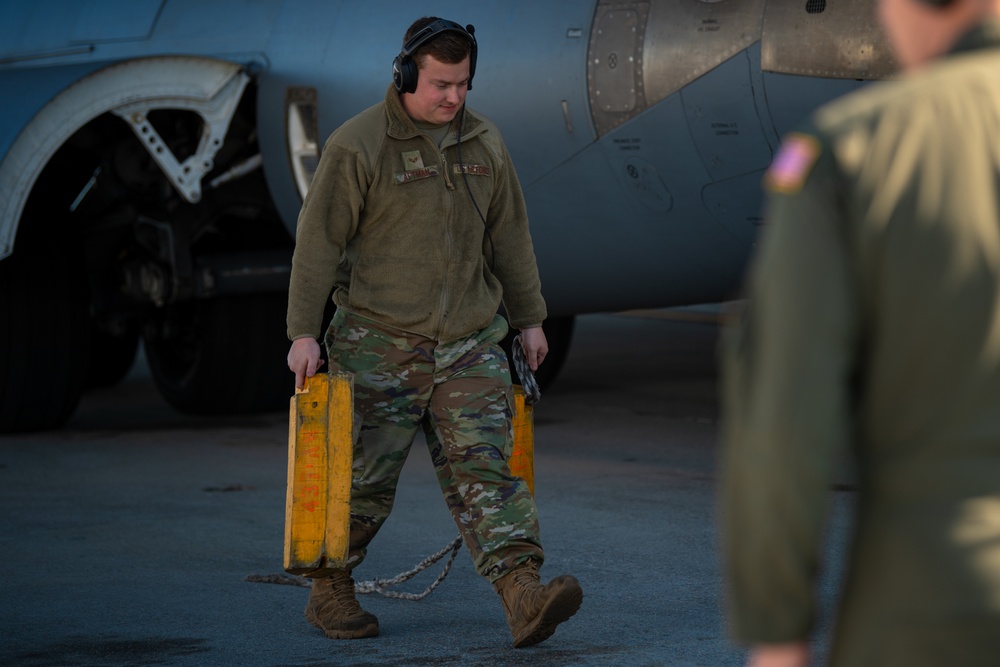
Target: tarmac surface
[{"x": 128, "y": 537}]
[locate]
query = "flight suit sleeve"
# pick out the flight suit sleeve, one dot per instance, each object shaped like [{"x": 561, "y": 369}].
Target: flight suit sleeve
[
  {"x": 327, "y": 221},
  {"x": 786, "y": 377}
]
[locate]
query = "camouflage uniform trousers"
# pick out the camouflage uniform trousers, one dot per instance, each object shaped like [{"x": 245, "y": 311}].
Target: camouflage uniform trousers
[{"x": 460, "y": 394}]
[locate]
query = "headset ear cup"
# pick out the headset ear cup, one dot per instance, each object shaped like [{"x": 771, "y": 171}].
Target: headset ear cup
[
  {"x": 398, "y": 74},
  {"x": 404, "y": 74},
  {"x": 473, "y": 52},
  {"x": 410, "y": 74}
]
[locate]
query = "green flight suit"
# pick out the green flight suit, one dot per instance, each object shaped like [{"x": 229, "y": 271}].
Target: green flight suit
[{"x": 873, "y": 327}]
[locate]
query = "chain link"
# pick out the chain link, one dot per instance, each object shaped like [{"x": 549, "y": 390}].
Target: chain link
[{"x": 380, "y": 585}]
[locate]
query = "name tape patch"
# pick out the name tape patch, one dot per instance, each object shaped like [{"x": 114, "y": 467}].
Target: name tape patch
[
  {"x": 415, "y": 174},
  {"x": 473, "y": 169}
]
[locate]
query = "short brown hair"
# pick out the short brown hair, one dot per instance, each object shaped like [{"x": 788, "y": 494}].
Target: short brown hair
[{"x": 449, "y": 47}]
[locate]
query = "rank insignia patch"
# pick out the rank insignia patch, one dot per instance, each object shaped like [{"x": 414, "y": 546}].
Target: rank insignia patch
[
  {"x": 792, "y": 164},
  {"x": 412, "y": 160}
]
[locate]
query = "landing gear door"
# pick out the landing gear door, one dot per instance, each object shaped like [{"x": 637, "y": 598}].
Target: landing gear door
[{"x": 838, "y": 39}]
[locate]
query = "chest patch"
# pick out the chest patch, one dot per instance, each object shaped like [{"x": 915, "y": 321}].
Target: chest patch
[
  {"x": 413, "y": 168},
  {"x": 412, "y": 160},
  {"x": 415, "y": 174},
  {"x": 472, "y": 169}
]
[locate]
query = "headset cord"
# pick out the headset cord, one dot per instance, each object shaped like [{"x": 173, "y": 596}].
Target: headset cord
[{"x": 465, "y": 178}]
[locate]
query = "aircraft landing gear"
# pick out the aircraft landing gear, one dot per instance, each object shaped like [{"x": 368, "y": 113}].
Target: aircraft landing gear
[
  {"x": 44, "y": 335},
  {"x": 221, "y": 356}
]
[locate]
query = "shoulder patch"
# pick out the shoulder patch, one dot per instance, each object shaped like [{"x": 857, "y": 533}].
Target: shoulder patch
[{"x": 792, "y": 164}]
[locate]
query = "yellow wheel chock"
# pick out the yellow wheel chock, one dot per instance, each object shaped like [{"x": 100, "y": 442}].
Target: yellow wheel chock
[
  {"x": 522, "y": 458},
  {"x": 320, "y": 457},
  {"x": 320, "y": 453}
]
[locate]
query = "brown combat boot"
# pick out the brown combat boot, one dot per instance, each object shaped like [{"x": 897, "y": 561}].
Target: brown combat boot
[
  {"x": 333, "y": 608},
  {"x": 533, "y": 611}
]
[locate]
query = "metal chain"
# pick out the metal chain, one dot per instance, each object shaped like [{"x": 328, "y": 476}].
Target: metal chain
[
  {"x": 532, "y": 393},
  {"x": 379, "y": 585}
]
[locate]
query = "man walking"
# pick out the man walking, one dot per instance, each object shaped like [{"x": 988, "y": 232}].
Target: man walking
[{"x": 416, "y": 221}]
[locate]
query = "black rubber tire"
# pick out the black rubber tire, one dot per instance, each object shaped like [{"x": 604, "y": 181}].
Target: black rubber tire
[
  {"x": 44, "y": 336},
  {"x": 111, "y": 357},
  {"x": 559, "y": 335},
  {"x": 222, "y": 356}
]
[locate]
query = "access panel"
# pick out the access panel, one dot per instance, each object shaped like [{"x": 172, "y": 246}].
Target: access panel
[{"x": 825, "y": 38}]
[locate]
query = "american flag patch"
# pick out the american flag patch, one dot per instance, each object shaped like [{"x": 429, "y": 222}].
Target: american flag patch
[{"x": 792, "y": 164}]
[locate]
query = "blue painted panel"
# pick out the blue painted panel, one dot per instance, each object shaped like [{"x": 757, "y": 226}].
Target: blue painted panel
[
  {"x": 115, "y": 21},
  {"x": 44, "y": 25}
]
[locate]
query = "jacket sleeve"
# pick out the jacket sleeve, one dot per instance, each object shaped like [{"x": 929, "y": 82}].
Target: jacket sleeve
[
  {"x": 514, "y": 262},
  {"x": 787, "y": 370},
  {"x": 327, "y": 221}
]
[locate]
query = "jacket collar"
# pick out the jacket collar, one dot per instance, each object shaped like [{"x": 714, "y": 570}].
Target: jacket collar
[
  {"x": 401, "y": 125},
  {"x": 985, "y": 35}
]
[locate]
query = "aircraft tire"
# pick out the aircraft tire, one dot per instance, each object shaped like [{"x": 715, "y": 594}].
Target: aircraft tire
[
  {"x": 111, "y": 357},
  {"x": 222, "y": 356},
  {"x": 44, "y": 335}
]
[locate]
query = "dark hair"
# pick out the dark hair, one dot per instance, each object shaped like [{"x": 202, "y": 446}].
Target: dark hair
[{"x": 449, "y": 47}]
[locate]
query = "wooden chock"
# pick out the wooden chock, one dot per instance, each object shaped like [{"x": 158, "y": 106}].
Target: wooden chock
[
  {"x": 320, "y": 456},
  {"x": 522, "y": 458}
]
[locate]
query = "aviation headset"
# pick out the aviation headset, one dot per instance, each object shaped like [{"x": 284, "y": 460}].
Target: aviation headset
[{"x": 404, "y": 68}]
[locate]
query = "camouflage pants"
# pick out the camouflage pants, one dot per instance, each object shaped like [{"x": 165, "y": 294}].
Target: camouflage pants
[{"x": 460, "y": 394}]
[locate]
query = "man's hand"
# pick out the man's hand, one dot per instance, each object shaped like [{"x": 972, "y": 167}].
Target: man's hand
[
  {"x": 304, "y": 360},
  {"x": 790, "y": 654},
  {"x": 535, "y": 346}
]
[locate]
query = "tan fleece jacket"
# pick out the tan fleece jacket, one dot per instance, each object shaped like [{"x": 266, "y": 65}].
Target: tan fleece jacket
[{"x": 389, "y": 224}]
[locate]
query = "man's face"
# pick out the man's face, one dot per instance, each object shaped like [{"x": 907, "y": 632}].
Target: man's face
[
  {"x": 440, "y": 92},
  {"x": 917, "y": 32}
]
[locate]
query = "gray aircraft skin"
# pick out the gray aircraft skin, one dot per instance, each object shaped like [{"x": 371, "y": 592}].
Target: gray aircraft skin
[{"x": 154, "y": 155}]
